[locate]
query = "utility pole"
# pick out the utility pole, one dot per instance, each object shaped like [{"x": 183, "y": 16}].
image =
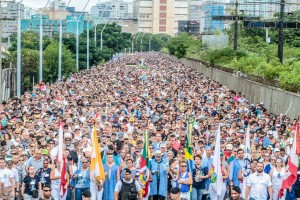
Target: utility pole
[
  {"x": 236, "y": 26},
  {"x": 281, "y": 33},
  {"x": 19, "y": 67},
  {"x": 1, "y": 88}
]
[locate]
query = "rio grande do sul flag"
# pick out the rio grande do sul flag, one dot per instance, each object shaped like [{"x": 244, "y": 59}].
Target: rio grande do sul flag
[
  {"x": 144, "y": 167},
  {"x": 292, "y": 166}
]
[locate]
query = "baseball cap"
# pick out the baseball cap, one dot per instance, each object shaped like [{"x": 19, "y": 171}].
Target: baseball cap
[
  {"x": 237, "y": 189},
  {"x": 126, "y": 170},
  {"x": 45, "y": 151},
  {"x": 276, "y": 150}
]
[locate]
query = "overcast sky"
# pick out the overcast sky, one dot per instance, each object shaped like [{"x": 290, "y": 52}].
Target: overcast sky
[{"x": 79, "y": 4}]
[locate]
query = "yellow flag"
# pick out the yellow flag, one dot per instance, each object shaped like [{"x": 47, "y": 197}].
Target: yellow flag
[{"x": 96, "y": 170}]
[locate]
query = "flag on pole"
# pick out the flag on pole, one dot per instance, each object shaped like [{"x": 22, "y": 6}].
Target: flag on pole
[
  {"x": 292, "y": 166},
  {"x": 96, "y": 170},
  {"x": 247, "y": 162},
  {"x": 188, "y": 151},
  {"x": 144, "y": 167},
  {"x": 216, "y": 180},
  {"x": 62, "y": 161}
]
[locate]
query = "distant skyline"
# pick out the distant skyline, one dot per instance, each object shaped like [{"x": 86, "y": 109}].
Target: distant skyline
[{"x": 78, "y": 4}]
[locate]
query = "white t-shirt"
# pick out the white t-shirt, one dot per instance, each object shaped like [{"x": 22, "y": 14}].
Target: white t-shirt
[{"x": 5, "y": 175}]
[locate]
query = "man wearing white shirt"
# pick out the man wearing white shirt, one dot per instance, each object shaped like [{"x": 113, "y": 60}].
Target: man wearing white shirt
[
  {"x": 7, "y": 179},
  {"x": 258, "y": 185}
]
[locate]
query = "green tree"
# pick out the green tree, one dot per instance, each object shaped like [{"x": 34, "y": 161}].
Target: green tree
[{"x": 51, "y": 62}]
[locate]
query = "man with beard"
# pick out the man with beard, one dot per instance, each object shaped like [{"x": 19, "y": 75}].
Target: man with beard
[{"x": 259, "y": 184}]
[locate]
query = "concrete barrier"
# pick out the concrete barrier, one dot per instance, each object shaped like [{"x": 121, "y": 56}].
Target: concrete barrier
[{"x": 275, "y": 99}]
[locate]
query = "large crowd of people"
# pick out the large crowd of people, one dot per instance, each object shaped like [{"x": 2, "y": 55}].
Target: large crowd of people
[{"x": 123, "y": 98}]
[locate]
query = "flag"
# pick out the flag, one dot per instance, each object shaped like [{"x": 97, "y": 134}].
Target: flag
[
  {"x": 247, "y": 162},
  {"x": 96, "y": 170},
  {"x": 144, "y": 167},
  {"x": 216, "y": 180},
  {"x": 188, "y": 151},
  {"x": 61, "y": 159},
  {"x": 292, "y": 167}
]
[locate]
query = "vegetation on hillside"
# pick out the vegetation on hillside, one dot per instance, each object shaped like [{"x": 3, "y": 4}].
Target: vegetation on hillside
[{"x": 254, "y": 55}]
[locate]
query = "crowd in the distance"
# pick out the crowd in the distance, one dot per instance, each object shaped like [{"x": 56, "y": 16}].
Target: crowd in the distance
[{"x": 158, "y": 94}]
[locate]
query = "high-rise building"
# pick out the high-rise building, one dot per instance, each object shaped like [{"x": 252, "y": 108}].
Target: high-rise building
[
  {"x": 10, "y": 18},
  {"x": 28, "y": 12},
  {"x": 56, "y": 10},
  {"x": 51, "y": 26},
  {"x": 112, "y": 10},
  {"x": 161, "y": 16}
]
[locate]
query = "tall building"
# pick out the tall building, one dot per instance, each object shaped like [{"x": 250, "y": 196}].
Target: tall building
[
  {"x": 51, "y": 26},
  {"x": 28, "y": 12},
  {"x": 112, "y": 10},
  {"x": 161, "y": 16},
  {"x": 56, "y": 10},
  {"x": 10, "y": 18}
]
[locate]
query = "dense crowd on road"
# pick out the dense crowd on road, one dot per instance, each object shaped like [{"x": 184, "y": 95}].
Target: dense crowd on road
[{"x": 123, "y": 98}]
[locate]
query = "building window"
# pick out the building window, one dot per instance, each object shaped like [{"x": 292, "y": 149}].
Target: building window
[
  {"x": 163, "y": 8},
  {"x": 162, "y": 15},
  {"x": 162, "y": 22},
  {"x": 162, "y": 28},
  {"x": 163, "y": 1}
]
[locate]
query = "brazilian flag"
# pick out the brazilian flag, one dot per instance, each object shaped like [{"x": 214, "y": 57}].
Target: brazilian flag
[{"x": 188, "y": 151}]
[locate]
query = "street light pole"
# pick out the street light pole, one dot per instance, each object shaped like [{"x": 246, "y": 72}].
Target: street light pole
[
  {"x": 19, "y": 51},
  {"x": 60, "y": 45},
  {"x": 77, "y": 37},
  {"x": 281, "y": 32},
  {"x": 88, "y": 44},
  {"x": 142, "y": 42},
  {"x": 150, "y": 42},
  {"x": 236, "y": 26},
  {"x": 101, "y": 42},
  {"x": 41, "y": 43}
]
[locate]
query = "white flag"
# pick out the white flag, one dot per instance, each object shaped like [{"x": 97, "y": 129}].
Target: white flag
[
  {"x": 247, "y": 162},
  {"x": 216, "y": 177}
]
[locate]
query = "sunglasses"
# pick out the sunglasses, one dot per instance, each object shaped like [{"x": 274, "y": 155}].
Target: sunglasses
[
  {"x": 47, "y": 190},
  {"x": 51, "y": 143},
  {"x": 183, "y": 166},
  {"x": 84, "y": 162}
]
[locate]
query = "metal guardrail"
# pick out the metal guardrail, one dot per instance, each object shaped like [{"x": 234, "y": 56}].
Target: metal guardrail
[{"x": 9, "y": 83}]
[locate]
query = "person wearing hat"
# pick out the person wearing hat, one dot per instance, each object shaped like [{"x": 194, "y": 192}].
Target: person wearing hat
[
  {"x": 128, "y": 188},
  {"x": 236, "y": 193},
  {"x": 159, "y": 170}
]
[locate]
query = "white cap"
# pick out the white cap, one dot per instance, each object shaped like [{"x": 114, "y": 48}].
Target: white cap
[{"x": 276, "y": 150}]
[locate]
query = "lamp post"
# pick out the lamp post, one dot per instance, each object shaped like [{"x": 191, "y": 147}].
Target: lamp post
[
  {"x": 60, "y": 45},
  {"x": 142, "y": 42},
  {"x": 41, "y": 43},
  {"x": 150, "y": 42},
  {"x": 77, "y": 37},
  {"x": 137, "y": 35},
  {"x": 19, "y": 51},
  {"x": 88, "y": 44},
  {"x": 101, "y": 42}
]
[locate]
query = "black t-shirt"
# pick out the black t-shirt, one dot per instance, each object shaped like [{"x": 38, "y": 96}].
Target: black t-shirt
[
  {"x": 31, "y": 184},
  {"x": 202, "y": 171},
  {"x": 297, "y": 183},
  {"x": 44, "y": 176}
]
